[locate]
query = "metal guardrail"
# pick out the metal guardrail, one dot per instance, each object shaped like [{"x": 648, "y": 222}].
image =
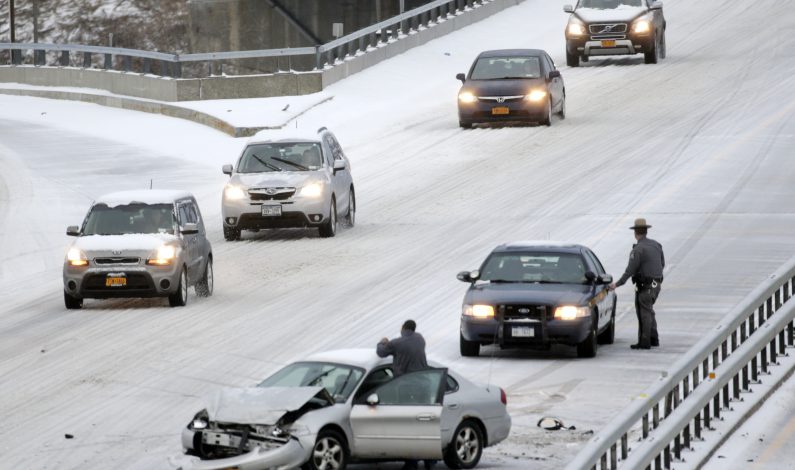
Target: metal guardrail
[
  {"x": 171, "y": 65},
  {"x": 703, "y": 382}
]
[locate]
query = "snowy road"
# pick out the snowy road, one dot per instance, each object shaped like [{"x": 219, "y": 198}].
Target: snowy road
[{"x": 700, "y": 145}]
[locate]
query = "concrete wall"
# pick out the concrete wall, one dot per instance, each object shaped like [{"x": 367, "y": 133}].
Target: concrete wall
[{"x": 245, "y": 86}]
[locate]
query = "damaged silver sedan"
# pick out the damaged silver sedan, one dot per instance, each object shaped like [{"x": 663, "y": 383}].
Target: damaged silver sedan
[{"x": 341, "y": 407}]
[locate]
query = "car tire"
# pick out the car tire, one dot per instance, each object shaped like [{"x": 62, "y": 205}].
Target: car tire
[
  {"x": 180, "y": 297},
  {"x": 350, "y": 219},
  {"x": 588, "y": 347},
  {"x": 608, "y": 336},
  {"x": 572, "y": 60},
  {"x": 467, "y": 446},
  {"x": 329, "y": 452},
  {"x": 465, "y": 125},
  {"x": 548, "y": 117},
  {"x": 651, "y": 57},
  {"x": 562, "y": 110},
  {"x": 329, "y": 228},
  {"x": 468, "y": 348},
  {"x": 204, "y": 288},
  {"x": 71, "y": 302},
  {"x": 231, "y": 233},
  {"x": 663, "y": 47}
]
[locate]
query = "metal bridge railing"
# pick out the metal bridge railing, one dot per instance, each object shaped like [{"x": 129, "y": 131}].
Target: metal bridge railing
[
  {"x": 702, "y": 383},
  {"x": 171, "y": 65}
]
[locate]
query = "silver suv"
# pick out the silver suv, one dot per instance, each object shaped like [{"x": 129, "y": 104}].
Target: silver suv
[
  {"x": 139, "y": 244},
  {"x": 288, "y": 180}
]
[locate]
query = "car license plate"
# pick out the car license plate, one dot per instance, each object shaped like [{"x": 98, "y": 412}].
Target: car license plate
[
  {"x": 115, "y": 281},
  {"x": 522, "y": 331},
  {"x": 610, "y": 43},
  {"x": 501, "y": 110},
  {"x": 271, "y": 211}
]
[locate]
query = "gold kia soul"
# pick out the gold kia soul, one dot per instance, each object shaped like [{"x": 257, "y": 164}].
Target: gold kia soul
[{"x": 139, "y": 244}]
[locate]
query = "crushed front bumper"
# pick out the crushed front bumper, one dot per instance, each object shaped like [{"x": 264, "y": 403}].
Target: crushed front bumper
[{"x": 289, "y": 456}]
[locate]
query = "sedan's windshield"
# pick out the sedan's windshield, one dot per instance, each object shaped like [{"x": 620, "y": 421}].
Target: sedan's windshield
[
  {"x": 495, "y": 68},
  {"x": 564, "y": 268},
  {"x": 258, "y": 158},
  {"x": 338, "y": 380},
  {"x": 609, "y": 4},
  {"x": 130, "y": 218}
]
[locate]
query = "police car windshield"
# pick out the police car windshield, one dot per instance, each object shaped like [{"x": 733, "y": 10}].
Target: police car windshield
[
  {"x": 558, "y": 268},
  {"x": 291, "y": 156},
  {"x": 130, "y": 218},
  {"x": 338, "y": 380},
  {"x": 497, "y": 68},
  {"x": 609, "y": 4}
]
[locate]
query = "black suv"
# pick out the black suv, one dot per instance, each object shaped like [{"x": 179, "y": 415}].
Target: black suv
[
  {"x": 534, "y": 294},
  {"x": 615, "y": 27}
]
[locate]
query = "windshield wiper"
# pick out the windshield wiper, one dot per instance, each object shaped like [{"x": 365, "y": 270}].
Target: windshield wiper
[
  {"x": 503, "y": 281},
  {"x": 297, "y": 165},
  {"x": 272, "y": 167}
]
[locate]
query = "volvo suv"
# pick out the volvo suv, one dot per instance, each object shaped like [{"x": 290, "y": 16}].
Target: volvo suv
[
  {"x": 289, "y": 180},
  {"x": 615, "y": 27},
  {"x": 139, "y": 244}
]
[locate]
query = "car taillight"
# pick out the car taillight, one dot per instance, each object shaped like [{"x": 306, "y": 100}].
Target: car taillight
[{"x": 503, "y": 397}]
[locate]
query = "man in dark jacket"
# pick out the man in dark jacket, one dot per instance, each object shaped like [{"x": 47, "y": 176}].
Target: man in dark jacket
[
  {"x": 408, "y": 355},
  {"x": 645, "y": 268}
]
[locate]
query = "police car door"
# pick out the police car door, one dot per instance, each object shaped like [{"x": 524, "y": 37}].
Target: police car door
[{"x": 401, "y": 419}]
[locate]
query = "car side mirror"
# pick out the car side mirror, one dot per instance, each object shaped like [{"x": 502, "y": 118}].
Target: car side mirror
[
  {"x": 372, "y": 400},
  {"x": 468, "y": 276},
  {"x": 189, "y": 229},
  {"x": 656, "y": 5},
  {"x": 227, "y": 169},
  {"x": 590, "y": 276},
  {"x": 554, "y": 74},
  {"x": 73, "y": 230},
  {"x": 339, "y": 165},
  {"x": 568, "y": 8},
  {"x": 461, "y": 77},
  {"x": 606, "y": 279}
]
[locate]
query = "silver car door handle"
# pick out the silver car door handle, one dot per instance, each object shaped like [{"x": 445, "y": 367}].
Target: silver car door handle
[
  {"x": 424, "y": 417},
  {"x": 452, "y": 406}
]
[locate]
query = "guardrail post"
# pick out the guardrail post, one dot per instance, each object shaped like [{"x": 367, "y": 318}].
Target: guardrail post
[
  {"x": 126, "y": 63},
  {"x": 734, "y": 340},
  {"x": 86, "y": 60},
  {"x": 147, "y": 66},
  {"x": 645, "y": 432},
  {"x": 736, "y": 383},
  {"x": 790, "y": 334},
  {"x": 745, "y": 378},
  {"x": 773, "y": 351},
  {"x": 770, "y": 310},
  {"x": 64, "y": 60},
  {"x": 603, "y": 459},
  {"x": 163, "y": 68},
  {"x": 698, "y": 425},
  {"x": 176, "y": 69},
  {"x": 318, "y": 59},
  {"x": 678, "y": 446},
  {"x": 373, "y": 42},
  {"x": 707, "y": 417},
  {"x": 38, "y": 57},
  {"x": 108, "y": 64},
  {"x": 16, "y": 57},
  {"x": 716, "y": 405},
  {"x": 686, "y": 435},
  {"x": 715, "y": 359},
  {"x": 613, "y": 456},
  {"x": 655, "y": 416},
  {"x": 763, "y": 354},
  {"x": 686, "y": 386},
  {"x": 624, "y": 447},
  {"x": 726, "y": 396},
  {"x": 361, "y": 44}
]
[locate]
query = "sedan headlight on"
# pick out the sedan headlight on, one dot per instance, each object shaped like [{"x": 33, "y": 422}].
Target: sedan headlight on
[
  {"x": 536, "y": 96},
  {"x": 570, "y": 312},
  {"x": 234, "y": 193},
  {"x": 165, "y": 255},
  {"x": 478, "y": 311},
  {"x": 575, "y": 28},
  {"x": 312, "y": 190},
  {"x": 76, "y": 257},
  {"x": 467, "y": 97},
  {"x": 641, "y": 26}
]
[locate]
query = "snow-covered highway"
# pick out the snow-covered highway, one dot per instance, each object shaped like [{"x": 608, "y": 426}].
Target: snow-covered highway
[{"x": 700, "y": 145}]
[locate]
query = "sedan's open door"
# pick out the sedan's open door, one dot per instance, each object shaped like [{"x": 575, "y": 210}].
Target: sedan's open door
[{"x": 401, "y": 418}]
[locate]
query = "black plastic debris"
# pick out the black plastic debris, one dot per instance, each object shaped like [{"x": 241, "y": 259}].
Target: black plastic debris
[
  {"x": 553, "y": 424},
  {"x": 68, "y": 436}
]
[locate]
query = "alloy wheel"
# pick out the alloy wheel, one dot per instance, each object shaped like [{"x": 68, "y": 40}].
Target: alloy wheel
[
  {"x": 467, "y": 444},
  {"x": 328, "y": 454}
]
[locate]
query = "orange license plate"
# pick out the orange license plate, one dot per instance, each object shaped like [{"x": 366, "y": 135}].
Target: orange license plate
[
  {"x": 608, "y": 44},
  {"x": 501, "y": 110},
  {"x": 115, "y": 281}
]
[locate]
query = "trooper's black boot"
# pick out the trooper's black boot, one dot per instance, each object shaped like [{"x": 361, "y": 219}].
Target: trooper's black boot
[{"x": 640, "y": 346}]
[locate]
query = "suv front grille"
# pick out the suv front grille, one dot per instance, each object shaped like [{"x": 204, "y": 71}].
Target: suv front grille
[
  {"x": 270, "y": 194},
  {"x": 523, "y": 312},
  {"x": 608, "y": 28},
  {"x": 104, "y": 261}
]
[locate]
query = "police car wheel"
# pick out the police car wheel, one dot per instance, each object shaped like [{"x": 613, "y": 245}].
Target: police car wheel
[{"x": 587, "y": 348}]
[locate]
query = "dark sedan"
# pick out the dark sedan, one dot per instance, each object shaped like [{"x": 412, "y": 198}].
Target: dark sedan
[
  {"x": 511, "y": 85},
  {"x": 535, "y": 294}
]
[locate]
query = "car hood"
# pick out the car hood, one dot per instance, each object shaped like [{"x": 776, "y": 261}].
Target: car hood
[
  {"x": 529, "y": 294},
  {"x": 520, "y": 86},
  {"x": 121, "y": 245},
  {"x": 276, "y": 179},
  {"x": 623, "y": 14},
  {"x": 261, "y": 405}
]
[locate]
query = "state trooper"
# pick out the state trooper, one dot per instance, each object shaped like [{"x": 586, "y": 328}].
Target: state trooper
[{"x": 645, "y": 268}]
